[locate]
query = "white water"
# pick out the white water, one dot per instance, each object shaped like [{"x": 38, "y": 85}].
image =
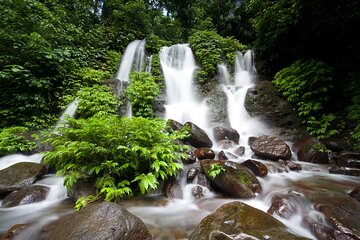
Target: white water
[
  {"x": 69, "y": 112},
  {"x": 178, "y": 65}
]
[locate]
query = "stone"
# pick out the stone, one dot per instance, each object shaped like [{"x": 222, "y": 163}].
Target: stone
[
  {"x": 20, "y": 175},
  {"x": 270, "y": 147},
  {"x": 344, "y": 171},
  {"x": 204, "y": 153},
  {"x": 284, "y": 206},
  {"x": 191, "y": 157},
  {"x": 174, "y": 125},
  {"x": 12, "y": 233},
  {"x": 197, "y": 192},
  {"x": 251, "y": 140},
  {"x": 26, "y": 195},
  {"x": 203, "y": 180},
  {"x": 347, "y": 159},
  {"x": 237, "y": 220},
  {"x": 172, "y": 188},
  {"x": 82, "y": 188},
  {"x": 226, "y": 144},
  {"x": 198, "y": 137},
  {"x": 235, "y": 180},
  {"x": 355, "y": 193},
  {"x": 310, "y": 150},
  {"x": 256, "y": 167},
  {"x": 191, "y": 174},
  {"x": 239, "y": 151},
  {"x": 222, "y": 156},
  {"x": 292, "y": 166},
  {"x": 97, "y": 221},
  {"x": 221, "y": 133}
]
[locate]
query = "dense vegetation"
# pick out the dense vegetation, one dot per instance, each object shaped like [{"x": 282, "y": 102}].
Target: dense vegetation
[{"x": 55, "y": 51}]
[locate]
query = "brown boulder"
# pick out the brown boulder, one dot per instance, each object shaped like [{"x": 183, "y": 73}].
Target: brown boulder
[
  {"x": 96, "y": 222},
  {"x": 344, "y": 170},
  {"x": 347, "y": 159},
  {"x": 256, "y": 167},
  {"x": 235, "y": 180},
  {"x": 221, "y": 133},
  {"x": 198, "y": 137},
  {"x": 310, "y": 150},
  {"x": 237, "y": 220},
  {"x": 204, "y": 153},
  {"x": 26, "y": 195},
  {"x": 191, "y": 174},
  {"x": 270, "y": 147}
]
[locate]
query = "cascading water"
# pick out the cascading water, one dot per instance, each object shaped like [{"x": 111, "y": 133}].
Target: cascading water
[
  {"x": 178, "y": 65},
  {"x": 69, "y": 112}
]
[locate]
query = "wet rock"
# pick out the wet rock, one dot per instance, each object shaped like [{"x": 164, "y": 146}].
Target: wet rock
[
  {"x": 97, "y": 221},
  {"x": 347, "y": 159},
  {"x": 198, "y": 138},
  {"x": 204, "y": 153},
  {"x": 263, "y": 101},
  {"x": 191, "y": 158},
  {"x": 191, "y": 174},
  {"x": 292, "y": 166},
  {"x": 226, "y": 144},
  {"x": 342, "y": 213},
  {"x": 172, "y": 188},
  {"x": 256, "y": 167},
  {"x": 222, "y": 156},
  {"x": 221, "y": 133},
  {"x": 355, "y": 193},
  {"x": 321, "y": 230},
  {"x": 197, "y": 192},
  {"x": 251, "y": 140},
  {"x": 270, "y": 147},
  {"x": 174, "y": 125},
  {"x": 13, "y": 232},
  {"x": 235, "y": 180},
  {"x": 284, "y": 206},
  {"x": 82, "y": 188},
  {"x": 26, "y": 195},
  {"x": 236, "y": 220},
  {"x": 204, "y": 181},
  {"x": 20, "y": 175},
  {"x": 344, "y": 170},
  {"x": 310, "y": 150},
  {"x": 239, "y": 151}
]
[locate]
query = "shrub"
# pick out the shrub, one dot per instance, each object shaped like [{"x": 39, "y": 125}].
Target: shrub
[
  {"x": 93, "y": 100},
  {"x": 125, "y": 156},
  {"x": 306, "y": 84},
  {"x": 12, "y": 140},
  {"x": 141, "y": 92}
]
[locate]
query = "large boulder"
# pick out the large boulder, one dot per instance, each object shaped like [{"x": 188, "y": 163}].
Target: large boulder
[
  {"x": 256, "y": 167},
  {"x": 270, "y": 147},
  {"x": 310, "y": 149},
  {"x": 263, "y": 101},
  {"x": 98, "y": 221},
  {"x": 20, "y": 175},
  {"x": 236, "y": 220},
  {"x": 26, "y": 195},
  {"x": 198, "y": 137},
  {"x": 204, "y": 153},
  {"x": 347, "y": 159},
  {"x": 221, "y": 133},
  {"x": 235, "y": 180}
]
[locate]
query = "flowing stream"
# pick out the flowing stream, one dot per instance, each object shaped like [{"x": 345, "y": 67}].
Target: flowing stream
[{"x": 175, "y": 218}]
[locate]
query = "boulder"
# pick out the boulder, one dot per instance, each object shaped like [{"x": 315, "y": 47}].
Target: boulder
[
  {"x": 237, "y": 220},
  {"x": 310, "y": 150},
  {"x": 82, "y": 188},
  {"x": 174, "y": 125},
  {"x": 204, "y": 153},
  {"x": 285, "y": 205},
  {"x": 263, "y": 101},
  {"x": 292, "y": 166},
  {"x": 221, "y": 133},
  {"x": 342, "y": 213},
  {"x": 197, "y": 192},
  {"x": 20, "y": 175},
  {"x": 96, "y": 222},
  {"x": 256, "y": 167},
  {"x": 270, "y": 147},
  {"x": 191, "y": 157},
  {"x": 239, "y": 151},
  {"x": 26, "y": 195},
  {"x": 222, "y": 155},
  {"x": 344, "y": 170},
  {"x": 235, "y": 180},
  {"x": 198, "y": 137},
  {"x": 347, "y": 159}
]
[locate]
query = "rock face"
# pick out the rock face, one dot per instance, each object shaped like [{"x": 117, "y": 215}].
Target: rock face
[
  {"x": 25, "y": 195},
  {"x": 82, "y": 189},
  {"x": 221, "y": 133},
  {"x": 235, "y": 180},
  {"x": 20, "y": 175},
  {"x": 270, "y": 147},
  {"x": 236, "y": 220},
  {"x": 198, "y": 137},
  {"x": 263, "y": 101},
  {"x": 204, "y": 153},
  {"x": 97, "y": 222},
  {"x": 310, "y": 150}
]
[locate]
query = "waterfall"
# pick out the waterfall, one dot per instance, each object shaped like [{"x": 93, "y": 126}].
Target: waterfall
[
  {"x": 178, "y": 65},
  {"x": 69, "y": 112},
  {"x": 245, "y": 75},
  {"x": 149, "y": 64}
]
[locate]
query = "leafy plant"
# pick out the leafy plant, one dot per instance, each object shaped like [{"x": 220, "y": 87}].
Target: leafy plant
[
  {"x": 141, "y": 92},
  {"x": 214, "y": 170},
  {"x": 126, "y": 156},
  {"x": 12, "y": 140},
  {"x": 306, "y": 84},
  {"x": 93, "y": 100}
]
